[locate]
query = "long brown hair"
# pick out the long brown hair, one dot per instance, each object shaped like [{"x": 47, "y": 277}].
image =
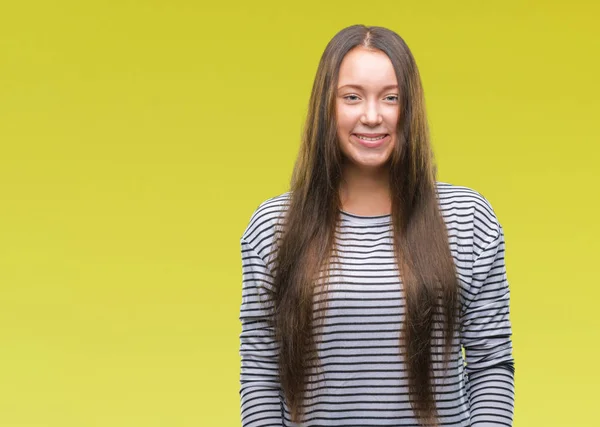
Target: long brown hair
[{"x": 306, "y": 245}]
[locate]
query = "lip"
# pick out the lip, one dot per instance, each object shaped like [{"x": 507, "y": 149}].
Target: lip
[
  {"x": 371, "y": 135},
  {"x": 371, "y": 144}
]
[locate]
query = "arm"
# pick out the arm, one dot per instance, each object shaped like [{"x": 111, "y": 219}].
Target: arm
[
  {"x": 259, "y": 378},
  {"x": 486, "y": 338}
]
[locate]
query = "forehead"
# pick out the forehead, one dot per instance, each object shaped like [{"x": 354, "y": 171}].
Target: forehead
[{"x": 366, "y": 67}]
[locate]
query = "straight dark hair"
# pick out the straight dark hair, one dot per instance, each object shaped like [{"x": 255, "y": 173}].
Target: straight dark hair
[{"x": 306, "y": 246}]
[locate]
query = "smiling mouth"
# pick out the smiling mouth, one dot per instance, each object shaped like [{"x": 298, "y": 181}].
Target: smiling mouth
[
  {"x": 371, "y": 137},
  {"x": 371, "y": 142}
]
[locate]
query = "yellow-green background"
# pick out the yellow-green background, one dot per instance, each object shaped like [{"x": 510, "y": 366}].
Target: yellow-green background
[{"x": 137, "y": 138}]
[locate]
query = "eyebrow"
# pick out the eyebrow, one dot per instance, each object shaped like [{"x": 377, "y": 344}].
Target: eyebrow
[{"x": 360, "y": 87}]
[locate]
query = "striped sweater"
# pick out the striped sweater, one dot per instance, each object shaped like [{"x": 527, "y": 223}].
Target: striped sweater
[{"x": 362, "y": 380}]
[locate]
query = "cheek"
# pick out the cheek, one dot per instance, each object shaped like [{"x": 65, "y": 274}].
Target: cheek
[
  {"x": 345, "y": 121},
  {"x": 393, "y": 118}
]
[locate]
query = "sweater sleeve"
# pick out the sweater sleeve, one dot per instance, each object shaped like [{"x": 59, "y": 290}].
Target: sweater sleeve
[
  {"x": 259, "y": 379},
  {"x": 486, "y": 338}
]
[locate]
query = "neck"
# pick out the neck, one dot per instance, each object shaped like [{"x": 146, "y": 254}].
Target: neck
[{"x": 365, "y": 192}]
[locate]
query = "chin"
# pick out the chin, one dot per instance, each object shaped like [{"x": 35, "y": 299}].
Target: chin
[
  {"x": 372, "y": 161},
  {"x": 370, "y": 165}
]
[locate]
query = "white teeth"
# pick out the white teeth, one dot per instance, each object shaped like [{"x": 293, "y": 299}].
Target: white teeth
[{"x": 370, "y": 139}]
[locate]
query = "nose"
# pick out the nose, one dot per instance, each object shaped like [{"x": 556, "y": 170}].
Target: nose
[{"x": 371, "y": 116}]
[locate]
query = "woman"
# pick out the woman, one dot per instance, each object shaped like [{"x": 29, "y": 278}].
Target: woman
[{"x": 363, "y": 284}]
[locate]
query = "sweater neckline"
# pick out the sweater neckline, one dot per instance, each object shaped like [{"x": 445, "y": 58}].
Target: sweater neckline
[{"x": 365, "y": 219}]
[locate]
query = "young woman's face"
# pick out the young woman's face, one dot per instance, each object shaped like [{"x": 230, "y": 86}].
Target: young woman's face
[{"x": 367, "y": 106}]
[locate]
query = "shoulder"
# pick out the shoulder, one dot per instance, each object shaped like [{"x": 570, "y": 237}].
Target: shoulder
[
  {"x": 264, "y": 221},
  {"x": 468, "y": 214}
]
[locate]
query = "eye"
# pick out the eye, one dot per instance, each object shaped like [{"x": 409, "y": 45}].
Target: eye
[
  {"x": 395, "y": 98},
  {"x": 351, "y": 96}
]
